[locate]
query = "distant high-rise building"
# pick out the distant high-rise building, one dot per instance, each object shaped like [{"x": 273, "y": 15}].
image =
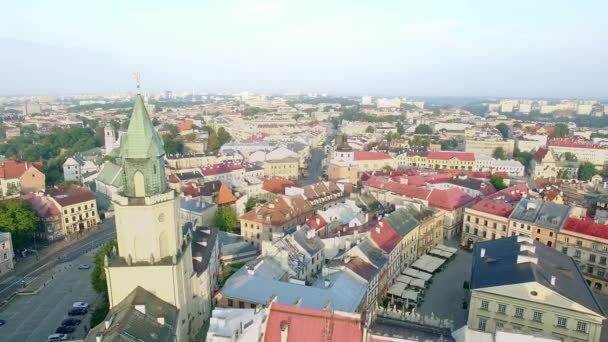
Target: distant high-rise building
[{"x": 168, "y": 94}]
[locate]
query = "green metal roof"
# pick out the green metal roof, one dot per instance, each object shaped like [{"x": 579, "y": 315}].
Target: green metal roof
[{"x": 141, "y": 140}]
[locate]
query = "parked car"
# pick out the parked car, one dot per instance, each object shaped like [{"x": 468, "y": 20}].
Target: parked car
[
  {"x": 84, "y": 267},
  {"x": 71, "y": 321},
  {"x": 2, "y": 322},
  {"x": 77, "y": 311},
  {"x": 65, "y": 329},
  {"x": 58, "y": 337},
  {"x": 80, "y": 305}
]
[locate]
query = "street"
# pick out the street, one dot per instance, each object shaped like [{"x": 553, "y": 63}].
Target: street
[
  {"x": 35, "y": 317},
  {"x": 31, "y": 269},
  {"x": 314, "y": 167}
]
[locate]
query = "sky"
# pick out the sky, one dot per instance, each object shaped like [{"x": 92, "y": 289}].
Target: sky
[{"x": 540, "y": 48}]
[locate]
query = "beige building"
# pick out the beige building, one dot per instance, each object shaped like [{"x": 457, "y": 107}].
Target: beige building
[
  {"x": 19, "y": 177},
  {"x": 587, "y": 243},
  {"x": 521, "y": 284},
  {"x": 343, "y": 170},
  {"x": 286, "y": 168},
  {"x": 78, "y": 208},
  {"x": 6, "y": 253},
  {"x": 488, "y": 146},
  {"x": 193, "y": 161}
]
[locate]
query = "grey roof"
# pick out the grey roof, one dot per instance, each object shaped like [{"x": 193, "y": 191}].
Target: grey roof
[
  {"x": 499, "y": 267},
  {"x": 374, "y": 254},
  {"x": 540, "y": 213},
  {"x": 312, "y": 246},
  {"x": 409, "y": 331},
  {"x": 130, "y": 324},
  {"x": 346, "y": 292},
  {"x": 204, "y": 240},
  {"x": 404, "y": 220},
  {"x": 110, "y": 174}
]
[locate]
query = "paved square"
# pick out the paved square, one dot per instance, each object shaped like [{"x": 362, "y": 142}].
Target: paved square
[
  {"x": 33, "y": 318},
  {"x": 444, "y": 296}
]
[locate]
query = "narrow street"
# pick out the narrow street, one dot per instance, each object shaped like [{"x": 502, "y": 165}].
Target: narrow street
[{"x": 314, "y": 167}]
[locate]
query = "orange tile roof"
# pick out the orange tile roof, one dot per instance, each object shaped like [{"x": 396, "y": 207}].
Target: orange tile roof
[
  {"x": 14, "y": 168},
  {"x": 224, "y": 196},
  {"x": 277, "y": 185}
]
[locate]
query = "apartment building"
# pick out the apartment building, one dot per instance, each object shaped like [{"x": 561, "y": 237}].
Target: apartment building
[
  {"x": 585, "y": 151},
  {"x": 487, "y": 146},
  {"x": 270, "y": 221},
  {"x": 286, "y": 168},
  {"x": 587, "y": 243},
  {"x": 520, "y": 284},
  {"x": 77, "y": 206},
  {"x": 439, "y": 160},
  {"x": 19, "y": 177},
  {"x": 488, "y": 219},
  {"x": 6, "y": 253},
  {"x": 539, "y": 220}
]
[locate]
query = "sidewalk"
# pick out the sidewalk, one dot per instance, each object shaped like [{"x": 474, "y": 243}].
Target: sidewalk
[{"x": 53, "y": 249}]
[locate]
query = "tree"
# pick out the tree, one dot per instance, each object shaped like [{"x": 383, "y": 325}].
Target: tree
[
  {"x": 250, "y": 204},
  {"x": 523, "y": 157},
  {"x": 400, "y": 128},
  {"x": 560, "y": 130},
  {"x": 569, "y": 156},
  {"x": 173, "y": 145},
  {"x": 225, "y": 218},
  {"x": 499, "y": 153},
  {"x": 387, "y": 168},
  {"x": 586, "y": 170},
  {"x": 18, "y": 218},
  {"x": 213, "y": 144},
  {"x": 369, "y": 129},
  {"x": 98, "y": 275},
  {"x": 504, "y": 130},
  {"x": 223, "y": 136},
  {"x": 423, "y": 129},
  {"x": 498, "y": 182}
]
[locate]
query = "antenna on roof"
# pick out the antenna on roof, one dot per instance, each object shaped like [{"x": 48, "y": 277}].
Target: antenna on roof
[{"x": 137, "y": 78}]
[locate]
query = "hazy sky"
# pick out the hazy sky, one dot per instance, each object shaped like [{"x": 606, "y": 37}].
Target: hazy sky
[{"x": 435, "y": 48}]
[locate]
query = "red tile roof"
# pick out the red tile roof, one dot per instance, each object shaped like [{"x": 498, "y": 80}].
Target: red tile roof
[
  {"x": 224, "y": 196},
  {"x": 449, "y": 199},
  {"x": 575, "y": 142},
  {"x": 365, "y": 155},
  {"x": 184, "y": 125},
  {"x": 220, "y": 168},
  {"x": 398, "y": 188},
  {"x": 362, "y": 268},
  {"x": 503, "y": 202},
  {"x": 586, "y": 227},
  {"x": 277, "y": 185},
  {"x": 540, "y": 154},
  {"x": 305, "y": 325},
  {"x": 316, "y": 222},
  {"x": 71, "y": 194},
  {"x": 14, "y": 168},
  {"x": 384, "y": 236},
  {"x": 445, "y": 155}
]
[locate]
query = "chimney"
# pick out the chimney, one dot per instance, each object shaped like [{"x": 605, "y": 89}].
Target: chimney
[
  {"x": 524, "y": 258},
  {"x": 527, "y": 248},
  {"x": 553, "y": 280},
  {"x": 284, "y": 331},
  {"x": 482, "y": 253},
  {"x": 525, "y": 239},
  {"x": 327, "y": 282},
  {"x": 318, "y": 220},
  {"x": 160, "y": 320}
]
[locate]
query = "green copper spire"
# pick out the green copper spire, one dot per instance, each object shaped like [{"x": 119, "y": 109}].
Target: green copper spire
[
  {"x": 141, "y": 141},
  {"x": 142, "y": 155}
]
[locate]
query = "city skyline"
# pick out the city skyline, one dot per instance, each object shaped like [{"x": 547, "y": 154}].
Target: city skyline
[{"x": 473, "y": 49}]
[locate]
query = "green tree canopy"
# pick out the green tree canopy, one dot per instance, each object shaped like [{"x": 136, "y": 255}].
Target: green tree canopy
[
  {"x": 423, "y": 129},
  {"x": 98, "y": 275},
  {"x": 223, "y": 136},
  {"x": 498, "y": 182},
  {"x": 18, "y": 218},
  {"x": 499, "y": 153},
  {"x": 504, "y": 130},
  {"x": 586, "y": 170},
  {"x": 225, "y": 218},
  {"x": 400, "y": 128},
  {"x": 173, "y": 144},
  {"x": 560, "y": 130},
  {"x": 569, "y": 156},
  {"x": 369, "y": 129},
  {"x": 250, "y": 204},
  {"x": 213, "y": 144}
]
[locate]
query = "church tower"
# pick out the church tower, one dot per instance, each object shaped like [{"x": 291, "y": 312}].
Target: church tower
[
  {"x": 152, "y": 250},
  {"x": 109, "y": 138}
]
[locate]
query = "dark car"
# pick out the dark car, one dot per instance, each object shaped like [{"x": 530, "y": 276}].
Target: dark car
[
  {"x": 64, "y": 329},
  {"x": 77, "y": 312},
  {"x": 2, "y": 322},
  {"x": 71, "y": 321}
]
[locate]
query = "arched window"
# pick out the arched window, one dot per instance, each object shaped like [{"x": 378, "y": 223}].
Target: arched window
[{"x": 139, "y": 184}]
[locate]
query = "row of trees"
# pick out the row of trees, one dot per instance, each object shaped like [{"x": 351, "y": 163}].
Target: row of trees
[{"x": 99, "y": 283}]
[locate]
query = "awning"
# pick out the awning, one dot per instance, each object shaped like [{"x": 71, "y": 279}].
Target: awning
[
  {"x": 447, "y": 249},
  {"x": 402, "y": 278},
  {"x": 410, "y": 295},
  {"x": 428, "y": 263},
  {"x": 417, "y": 274},
  {"x": 419, "y": 283},
  {"x": 397, "y": 289},
  {"x": 440, "y": 253}
]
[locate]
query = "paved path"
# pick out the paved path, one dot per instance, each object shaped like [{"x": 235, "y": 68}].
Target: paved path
[
  {"x": 33, "y": 318},
  {"x": 314, "y": 167},
  {"x": 444, "y": 296},
  {"x": 59, "y": 252}
]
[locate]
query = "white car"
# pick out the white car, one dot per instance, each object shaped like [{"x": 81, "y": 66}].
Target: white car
[
  {"x": 58, "y": 337},
  {"x": 84, "y": 267},
  {"x": 80, "y": 305}
]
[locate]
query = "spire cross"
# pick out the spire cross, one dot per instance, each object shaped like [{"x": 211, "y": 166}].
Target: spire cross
[{"x": 137, "y": 78}]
